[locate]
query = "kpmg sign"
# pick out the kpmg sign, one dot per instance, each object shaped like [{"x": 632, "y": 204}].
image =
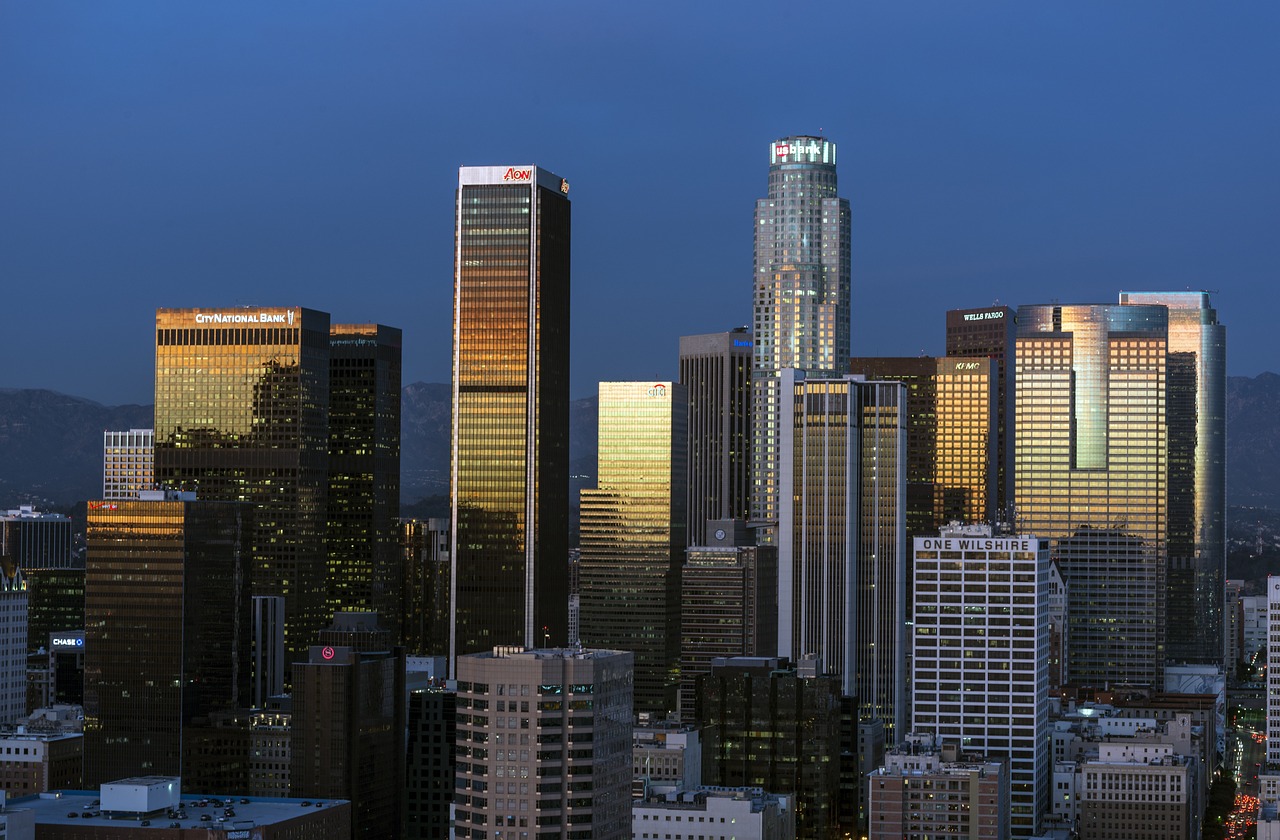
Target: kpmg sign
[{"x": 260, "y": 317}]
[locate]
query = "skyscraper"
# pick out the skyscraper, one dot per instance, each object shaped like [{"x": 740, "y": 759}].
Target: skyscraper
[
  {"x": 1196, "y": 399},
  {"x": 509, "y": 485},
  {"x": 842, "y": 541},
  {"x": 980, "y": 670},
  {"x": 1092, "y": 476},
  {"x": 716, "y": 369},
  {"x": 802, "y": 290},
  {"x": 242, "y": 404},
  {"x": 990, "y": 333},
  {"x": 166, "y": 627},
  {"x": 633, "y": 534},
  {"x": 364, "y": 471}
]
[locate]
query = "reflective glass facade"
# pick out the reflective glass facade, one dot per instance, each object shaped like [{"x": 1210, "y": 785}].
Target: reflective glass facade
[
  {"x": 1196, "y": 397},
  {"x": 990, "y": 333},
  {"x": 633, "y": 535},
  {"x": 716, "y": 369},
  {"x": 510, "y": 469},
  {"x": 242, "y": 402},
  {"x": 167, "y": 626},
  {"x": 364, "y": 471},
  {"x": 1092, "y": 476},
  {"x": 842, "y": 541},
  {"x": 802, "y": 291}
]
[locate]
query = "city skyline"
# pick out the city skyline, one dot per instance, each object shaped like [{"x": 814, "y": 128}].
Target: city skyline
[{"x": 277, "y": 159}]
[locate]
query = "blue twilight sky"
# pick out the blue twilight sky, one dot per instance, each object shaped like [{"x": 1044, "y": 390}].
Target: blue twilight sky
[{"x": 306, "y": 153}]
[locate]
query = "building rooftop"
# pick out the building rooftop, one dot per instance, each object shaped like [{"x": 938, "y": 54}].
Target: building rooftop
[{"x": 78, "y": 807}]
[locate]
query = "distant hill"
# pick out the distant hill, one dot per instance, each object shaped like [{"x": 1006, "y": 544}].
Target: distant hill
[
  {"x": 51, "y": 443},
  {"x": 1253, "y": 441}
]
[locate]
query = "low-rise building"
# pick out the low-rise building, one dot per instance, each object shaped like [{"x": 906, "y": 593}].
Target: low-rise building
[
  {"x": 923, "y": 791},
  {"x": 1140, "y": 791},
  {"x": 36, "y": 762},
  {"x": 713, "y": 813},
  {"x": 666, "y": 753}
]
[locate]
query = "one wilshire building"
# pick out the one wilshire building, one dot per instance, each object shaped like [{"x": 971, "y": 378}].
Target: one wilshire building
[{"x": 802, "y": 289}]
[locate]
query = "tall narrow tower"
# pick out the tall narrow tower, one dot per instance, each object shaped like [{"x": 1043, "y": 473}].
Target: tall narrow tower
[
  {"x": 1196, "y": 395},
  {"x": 802, "y": 290},
  {"x": 509, "y": 478}
]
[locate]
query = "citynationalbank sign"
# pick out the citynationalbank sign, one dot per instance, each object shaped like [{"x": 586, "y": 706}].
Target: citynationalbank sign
[{"x": 261, "y": 317}]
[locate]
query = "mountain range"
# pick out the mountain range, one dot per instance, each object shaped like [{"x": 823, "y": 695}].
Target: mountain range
[{"x": 51, "y": 443}]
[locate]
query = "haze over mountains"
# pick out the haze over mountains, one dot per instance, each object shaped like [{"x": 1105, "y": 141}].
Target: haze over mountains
[{"x": 51, "y": 443}]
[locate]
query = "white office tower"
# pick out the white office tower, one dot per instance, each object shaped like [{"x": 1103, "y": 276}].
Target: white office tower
[
  {"x": 128, "y": 463},
  {"x": 980, "y": 672},
  {"x": 1273, "y": 680}
]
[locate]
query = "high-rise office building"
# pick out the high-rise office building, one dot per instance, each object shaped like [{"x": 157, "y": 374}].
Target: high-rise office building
[
  {"x": 716, "y": 369},
  {"x": 1195, "y": 396},
  {"x": 425, "y": 614},
  {"x": 128, "y": 463},
  {"x": 364, "y": 471},
  {"x": 1271, "y": 655},
  {"x": 347, "y": 732},
  {"x": 1092, "y": 476},
  {"x": 728, "y": 603},
  {"x": 775, "y": 725},
  {"x": 991, "y": 333},
  {"x": 980, "y": 668},
  {"x": 544, "y": 744},
  {"x": 841, "y": 541},
  {"x": 429, "y": 765},
  {"x": 510, "y": 470},
  {"x": 167, "y": 620},
  {"x": 53, "y": 576},
  {"x": 802, "y": 291},
  {"x": 633, "y": 534},
  {"x": 242, "y": 404},
  {"x": 952, "y": 433}
]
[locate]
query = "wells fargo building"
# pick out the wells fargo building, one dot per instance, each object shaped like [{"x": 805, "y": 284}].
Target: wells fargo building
[{"x": 509, "y": 482}]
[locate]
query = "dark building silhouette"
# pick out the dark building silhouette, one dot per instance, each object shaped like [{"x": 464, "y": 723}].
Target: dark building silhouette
[
  {"x": 347, "y": 732},
  {"x": 775, "y": 726},
  {"x": 430, "y": 766},
  {"x": 167, "y": 627},
  {"x": 716, "y": 371},
  {"x": 364, "y": 470},
  {"x": 728, "y": 603},
  {"x": 425, "y": 612}
]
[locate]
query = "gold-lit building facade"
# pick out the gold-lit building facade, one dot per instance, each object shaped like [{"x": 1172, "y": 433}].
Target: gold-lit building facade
[
  {"x": 952, "y": 422},
  {"x": 1092, "y": 476},
  {"x": 801, "y": 300},
  {"x": 991, "y": 333},
  {"x": 167, "y": 620},
  {"x": 1197, "y": 402},
  {"x": 241, "y": 414},
  {"x": 364, "y": 558},
  {"x": 633, "y": 534},
  {"x": 842, "y": 555},
  {"x": 509, "y": 477}
]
